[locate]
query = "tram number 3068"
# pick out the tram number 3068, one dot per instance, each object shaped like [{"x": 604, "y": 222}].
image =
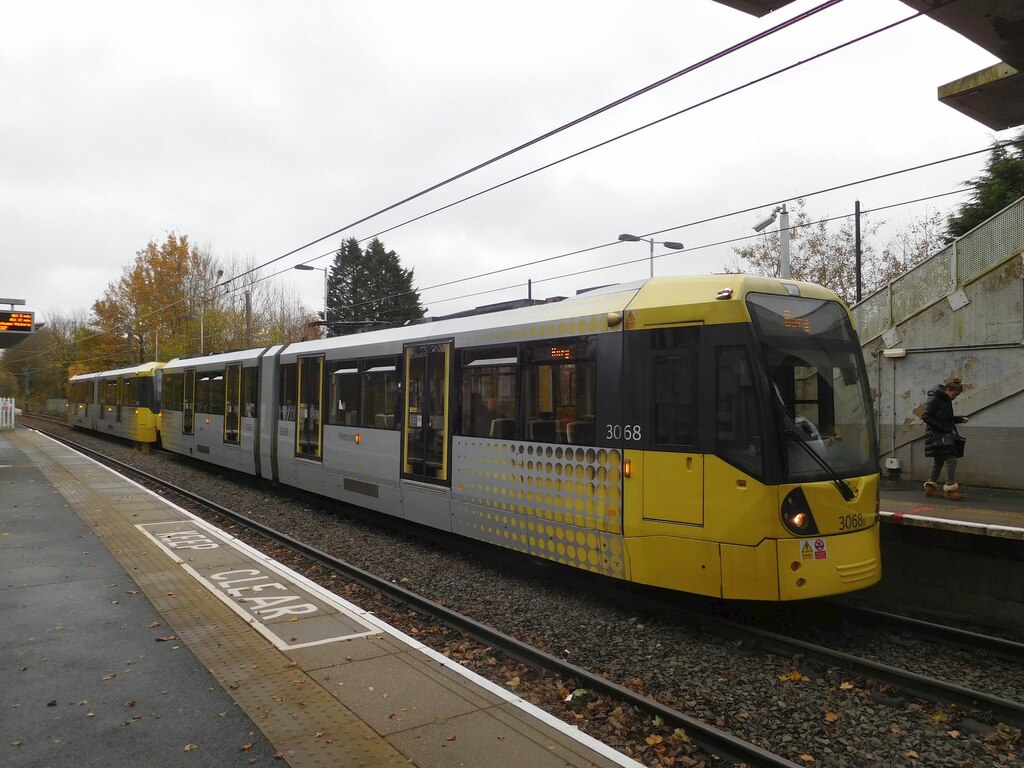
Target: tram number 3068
[
  {"x": 851, "y": 522},
  {"x": 630, "y": 432}
]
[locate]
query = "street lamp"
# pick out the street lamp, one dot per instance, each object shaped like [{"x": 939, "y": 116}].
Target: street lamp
[
  {"x": 307, "y": 268},
  {"x": 667, "y": 243},
  {"x": 783, "y": 236}
]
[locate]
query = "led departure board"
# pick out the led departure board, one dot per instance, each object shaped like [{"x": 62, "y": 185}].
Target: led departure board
[{"x": 16, "y": 322}]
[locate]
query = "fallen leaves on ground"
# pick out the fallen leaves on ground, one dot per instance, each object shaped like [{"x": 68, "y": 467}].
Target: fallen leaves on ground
[{"x": 792, "y": 677}]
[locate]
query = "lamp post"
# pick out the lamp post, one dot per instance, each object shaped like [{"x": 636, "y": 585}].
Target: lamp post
[
  {"x": 309, "y": 267},
  {"x": 667, "y": 243},
  {"x": 783, "y": 237}
]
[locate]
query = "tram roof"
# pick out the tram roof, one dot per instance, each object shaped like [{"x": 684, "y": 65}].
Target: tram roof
[
  {"x": 218, "y": 359},
  {"x": 135, "y": 370},
  {"x": 589, "y": 311}
]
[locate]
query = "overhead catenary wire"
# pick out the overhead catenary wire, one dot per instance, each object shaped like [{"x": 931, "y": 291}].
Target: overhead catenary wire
[
  {"x": 617, "y": 102},
  {"x": 700, "y": 247},
  {"x": 747, "y": 209},
  {"x": 507, "y": 153},
  {"x": 660, "y": 120},
  {"x": 548, "y": 259},
  {"x": 227, "y": 282},
  {"x": 555, "y": 131},
  {"x": 966, "y": 188},
  {"x": 539, "y": 281}
]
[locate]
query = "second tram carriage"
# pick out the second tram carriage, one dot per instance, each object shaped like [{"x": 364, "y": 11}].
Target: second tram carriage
[
  {"x": 124, "y": 403},
  {"x": 708, "y": 434}
]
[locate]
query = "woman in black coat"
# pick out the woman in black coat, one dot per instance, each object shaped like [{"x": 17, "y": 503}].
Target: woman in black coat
[{"x": 938, "y": 417}]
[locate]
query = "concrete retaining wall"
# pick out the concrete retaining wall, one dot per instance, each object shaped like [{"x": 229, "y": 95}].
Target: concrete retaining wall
[{"x": 946, "y": 574}]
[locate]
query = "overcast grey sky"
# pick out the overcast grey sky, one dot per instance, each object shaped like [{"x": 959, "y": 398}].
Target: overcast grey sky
[{"x": 256, "y": 127}]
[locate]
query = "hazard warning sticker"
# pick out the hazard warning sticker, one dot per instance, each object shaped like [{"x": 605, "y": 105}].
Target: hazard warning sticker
[{"x": 813, "y": 549}]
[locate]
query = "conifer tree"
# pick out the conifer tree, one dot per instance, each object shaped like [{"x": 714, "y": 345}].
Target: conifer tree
[
  {"x": 367, "y": 288},
  {"x": 1000, "y": 184}
]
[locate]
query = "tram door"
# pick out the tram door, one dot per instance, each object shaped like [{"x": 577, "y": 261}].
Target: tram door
[
  {"x": 232, "y": 403},
  {"x": 673, "y": 464},
  {"x": 425, "y": 422},
  {"x": 308, "y": 434},
  {"x": 111, "y": 401},
  {"x": 188, "y": 405}
]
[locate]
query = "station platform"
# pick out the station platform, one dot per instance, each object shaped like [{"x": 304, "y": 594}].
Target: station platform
[
  {"x": 982, "y": 512},
  {"x": 136, "y": 634},
  {"x": 961, "y": 561}
]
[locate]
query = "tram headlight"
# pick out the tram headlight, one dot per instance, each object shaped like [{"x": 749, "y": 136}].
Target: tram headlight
[{"x": 796, "y": 514}]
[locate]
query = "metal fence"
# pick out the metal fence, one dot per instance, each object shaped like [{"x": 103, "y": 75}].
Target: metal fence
[
  {"x": 965, "y": 259},
  {"x": 7, "y": 413}
]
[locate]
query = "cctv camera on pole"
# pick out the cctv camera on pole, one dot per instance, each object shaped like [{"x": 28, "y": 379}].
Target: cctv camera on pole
[{"x": 783, "y": 236}]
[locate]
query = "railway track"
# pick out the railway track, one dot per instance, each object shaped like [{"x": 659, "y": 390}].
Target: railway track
[{"x": 713, "y": 739}]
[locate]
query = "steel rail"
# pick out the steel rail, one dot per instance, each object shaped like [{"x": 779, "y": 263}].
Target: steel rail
[
  {"x": 922, "y": 686},
  {"x": 1012, "y": 650},
  {"x": 932, "y": 689}
]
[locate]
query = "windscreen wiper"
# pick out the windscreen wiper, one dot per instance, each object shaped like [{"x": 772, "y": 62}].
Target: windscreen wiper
[{"x": 844, "y": 489}]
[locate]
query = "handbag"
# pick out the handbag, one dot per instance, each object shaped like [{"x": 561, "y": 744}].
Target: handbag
[
  {"x": 959, "y": 443},
  {"x": 939, "y": 444}
]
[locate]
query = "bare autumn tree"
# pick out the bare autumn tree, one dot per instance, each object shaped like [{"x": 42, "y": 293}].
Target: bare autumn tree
[
  {"x": 821, "y": 251},
  {"x": 65, "y": 343},
  {"x": 40, "y": 367},
  {"x": 281, "y": 317},
  {"x": 159, "y": 299},
  {"x": 914, "y": 243},
  {"x": 28, "y": 373}
]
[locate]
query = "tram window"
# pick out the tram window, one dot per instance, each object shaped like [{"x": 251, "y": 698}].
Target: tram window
[
  {"x": 345, "y": 392},
  {"x": 81, "y": 393},
  {"x": 217, "y": 393},
  {"x": 145, "y": 391},
  {"x": 202, "y": 393},
  {"x": 812, "y": 398},
  {"x": 128, "y": 395},
  {"x": 210, "y": 393},
  {"x": 141, "y": 387},
  {"x": 489, "y": 402},
  {"x": 561, "y": 391},
  {"x": 737, "y": 425},
  {"x": 250, "y": 388},
  {"x": 174, "y": 384},
  {"x": 288, "y": 387},
  {"x": 676, "y": 371},
  {"x": 110, "y": 390},
  {"x": 381, "y": 399}
]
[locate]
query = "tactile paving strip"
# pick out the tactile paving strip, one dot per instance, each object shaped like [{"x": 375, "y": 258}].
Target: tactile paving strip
[{"x": 309, "y": 726}]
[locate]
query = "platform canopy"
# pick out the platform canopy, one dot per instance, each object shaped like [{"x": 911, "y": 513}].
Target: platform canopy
[
  {"x": 995, "y": 95},
  {"x": 15, "y": 325}
]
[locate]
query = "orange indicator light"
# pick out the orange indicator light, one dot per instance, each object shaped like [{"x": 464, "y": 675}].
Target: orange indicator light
[{"x": 627, "y": 468}]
